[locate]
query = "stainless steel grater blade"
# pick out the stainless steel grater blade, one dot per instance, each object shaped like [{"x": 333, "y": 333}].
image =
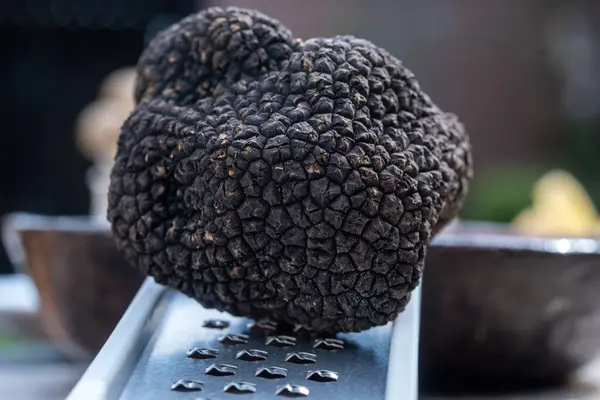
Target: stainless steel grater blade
[{"x": 168, "y": 347}]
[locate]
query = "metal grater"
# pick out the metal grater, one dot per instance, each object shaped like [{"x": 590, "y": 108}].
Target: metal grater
[{"x": 169, "y": 347}]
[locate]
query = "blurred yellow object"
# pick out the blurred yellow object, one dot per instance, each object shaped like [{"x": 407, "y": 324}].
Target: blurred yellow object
[
  {"x": 561, "y": 207},
  {"x": 119, "y": 84},
  {"x": 98, "y": 128},
  {"x": 99, "y": 124}
]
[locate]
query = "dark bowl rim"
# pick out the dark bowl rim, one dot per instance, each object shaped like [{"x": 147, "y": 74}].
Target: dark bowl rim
[
  {"x": 22, "y": 221},
  {"x": 471, "y": 234},
  {"x": 14, "y": 224},
  {"x": 499, "y": 236}
]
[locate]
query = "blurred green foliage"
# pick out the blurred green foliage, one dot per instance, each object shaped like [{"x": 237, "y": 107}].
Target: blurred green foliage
[
  {"x": 7, "y": 340},
  {"x": 580, "y": 151},
  {"x": 499, "y": 195}
]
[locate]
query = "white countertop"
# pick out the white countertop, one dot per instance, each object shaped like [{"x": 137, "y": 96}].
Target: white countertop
[{"x": 18, "y": 294}]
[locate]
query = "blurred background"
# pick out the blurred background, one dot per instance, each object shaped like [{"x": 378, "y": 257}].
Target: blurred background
[{"x": 524, "y": 76}]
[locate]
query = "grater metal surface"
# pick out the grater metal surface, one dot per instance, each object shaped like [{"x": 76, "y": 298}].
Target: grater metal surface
[{"x": 169, "y": 347}]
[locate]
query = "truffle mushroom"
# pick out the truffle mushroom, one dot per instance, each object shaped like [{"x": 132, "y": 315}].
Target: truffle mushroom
[{"x": 268, "y": 176}]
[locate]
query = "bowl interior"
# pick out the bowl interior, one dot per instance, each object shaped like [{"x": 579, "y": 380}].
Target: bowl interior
[{"x": 83, "y": 281}]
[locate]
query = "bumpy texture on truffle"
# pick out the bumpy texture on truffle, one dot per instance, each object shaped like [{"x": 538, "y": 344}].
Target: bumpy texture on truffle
[{"x": 272, "y": 177}]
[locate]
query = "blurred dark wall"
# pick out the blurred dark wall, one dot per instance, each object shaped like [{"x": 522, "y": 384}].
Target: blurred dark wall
[
  {"x": 55, "y": 55},
  {"x": 527, "y": 108},
  {"x": 484, "y": 60}
]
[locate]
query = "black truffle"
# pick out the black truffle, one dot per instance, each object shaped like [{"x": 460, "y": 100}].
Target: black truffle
[{"x": 273, "y": 177}]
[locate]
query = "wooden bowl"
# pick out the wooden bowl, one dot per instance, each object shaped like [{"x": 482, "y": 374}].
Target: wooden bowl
[
  {"x": 502, "y": 311},
  {"x": 84, "y": 283}
]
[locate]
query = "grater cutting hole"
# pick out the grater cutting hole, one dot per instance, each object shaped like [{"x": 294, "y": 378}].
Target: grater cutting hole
[
  {"x": 328, "y": 344},
  {"x": 271, "y": 372},
  {"x": 303, "y": 331},
  {"x": 202, "y": 353},
  {"x": 292, "y": 391},
  {"x": 263, "y": 325},
  {"x": 234, "y": 338},
  {"x": 240, "y": 388},
  {"x": 220, "y": 370},
  {"x": 216, "y": 324},
  {"x": 301, "y": 358},
  {"x": 281, "y": 341},
  {"x": 186, "y": 385},
  {"x": 322, "y": 375},
  {"x": 252, "y": 355}
]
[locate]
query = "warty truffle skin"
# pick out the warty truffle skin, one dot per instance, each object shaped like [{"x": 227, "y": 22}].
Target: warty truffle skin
[{"x": 271, "y": 177}]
